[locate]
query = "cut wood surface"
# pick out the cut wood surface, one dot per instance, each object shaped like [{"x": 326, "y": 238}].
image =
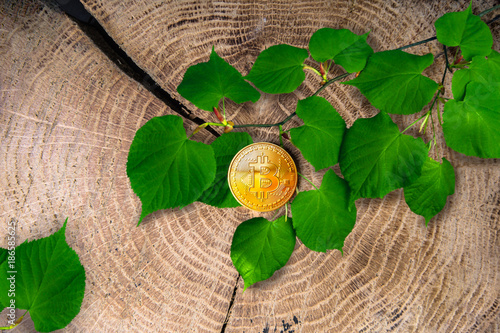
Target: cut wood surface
[{"x": 68, "y": 115}]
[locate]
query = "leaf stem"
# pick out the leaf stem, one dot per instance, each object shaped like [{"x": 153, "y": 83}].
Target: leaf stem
[
  {"x": 312, "y": 69},
  {"x": 496, "y": 18},
  {"x": 417, "y": 43},
  {"x": 18, "y": 321},
  {"x": 434, "y": 136},
  {"x": 284, "y": 121},
  {"x": 197, "y": 129},
  {"x": 413, "y": 123},
  {"x": 310, "y": 182},
  {"x": 281, "y": 132},
  {"x": 340, "y": 77},
  {"x": 440, "y": 121},
  {"x": 445, "y": 49},
  {"x": 488, "y": 10},
  {"x": 424, "y": 123},
  {"x": 286, "y": 211},
  {"x": 267, "y": 125}
]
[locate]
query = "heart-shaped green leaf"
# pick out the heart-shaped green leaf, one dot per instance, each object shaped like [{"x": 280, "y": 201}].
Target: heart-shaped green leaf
[
  {"x": 207, "y": 83},
  {"x": 343, "y": 46},
  {"x": 393, "y": 81},
  {"x": 261, "y": 247},
  {"x": 472, "y": 126},
  {"x": 278, "y": 69},
  {"x": 482, "y": 70},
  {"x": 167, "y": 170},
  {"x": 427, "y": 195},
  {"x": 49, "y": 281},
  {"x": 375, "y": 158},
  {"x": 225, "y": 147},
  {"x": 322, "y": 218},
  {"x": 320, "y": 137},
  {"x": 465, "y": 30}
]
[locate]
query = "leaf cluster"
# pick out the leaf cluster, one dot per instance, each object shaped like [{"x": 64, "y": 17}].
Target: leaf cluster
[{"x": 168, "y": 170}]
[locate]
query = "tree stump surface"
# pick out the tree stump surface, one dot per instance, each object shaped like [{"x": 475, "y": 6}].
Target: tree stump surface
[{"x": 68, "y": 115}]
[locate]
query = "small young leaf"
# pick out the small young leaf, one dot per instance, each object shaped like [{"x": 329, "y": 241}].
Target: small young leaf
[
  {"x": 320, "y": 137},
  {"x": 427, "y": 195},
  {"x": 278, "y": 69},
  {"x": 207, "y": 83},
  {"x": 322, "y": 218},
  {"x": 482, "y": 70},
  {"x": 261, "y": 247},
  {"x": 167, "y": 170},
  {"x": 343, "y": 46},
  {"x": 465, "y": 30},
  {"x": 375, "y": 158},
  {"x": 472, "y": 126},
  {"x": 225, "y": 147},
  {"x": 393, "y": 81},
  {"x": 49, "y": 279}
]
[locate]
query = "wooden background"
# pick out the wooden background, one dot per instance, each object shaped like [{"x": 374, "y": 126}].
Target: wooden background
[{"x": 68, "y": 115}]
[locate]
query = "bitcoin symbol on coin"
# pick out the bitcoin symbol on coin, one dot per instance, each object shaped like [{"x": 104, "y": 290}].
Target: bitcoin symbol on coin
[{"x": 264, "y": 177}]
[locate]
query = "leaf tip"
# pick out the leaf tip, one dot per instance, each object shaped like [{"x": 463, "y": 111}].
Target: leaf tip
[{"x": 143, "y": 215}]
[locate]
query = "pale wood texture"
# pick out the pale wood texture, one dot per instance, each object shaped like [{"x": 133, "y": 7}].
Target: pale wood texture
[{"x": 68, "y": 116}]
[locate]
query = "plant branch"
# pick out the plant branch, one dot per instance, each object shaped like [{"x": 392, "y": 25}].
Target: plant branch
[
  {"x": 280, "y": 135},
  {"x": 340, "y": 77},
  {"x": 417, "y": 43},
  {"x": 493, "y": 19},
  {"x": 435, "y": 37},
  {"x": 447, "y": 63},
  {"x": 489, "y": 10},
  {"x": 284, "y": 121},
  {"x": 310, "y": 182}
]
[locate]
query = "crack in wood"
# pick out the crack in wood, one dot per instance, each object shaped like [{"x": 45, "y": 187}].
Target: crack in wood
[
  {"x": 230, "y": 307},
  {"x": 93, "y": 29}
]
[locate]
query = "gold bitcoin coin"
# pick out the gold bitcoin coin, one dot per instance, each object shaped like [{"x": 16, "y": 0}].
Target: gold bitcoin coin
[{"x": 262, "y": 176}]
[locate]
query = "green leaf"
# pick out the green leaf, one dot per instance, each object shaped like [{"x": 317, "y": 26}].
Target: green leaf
[
  {"x": 261, "y": 247},
  {"x": 482, "y": 70},
  {"x": 375, "y": 158},
  {"x": 427, "y": 195},
  {"x": 343, "y": 46},
  {"x": 278, "y": 69},
  {"x": 207, "y": 83},
  {"x": 167, "y": 170},
  {"x": 322, "y": 218},
  {"x": 320, "y": 137},
  {"x": 50, "y": 281},
  {"x": 225, "y": 147},
  {"x": 3, "y": 255},
  {"x": 472, "y": 126},
  {"x": 393, "y": 81},
  {"x": 465, "y": 30}
]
